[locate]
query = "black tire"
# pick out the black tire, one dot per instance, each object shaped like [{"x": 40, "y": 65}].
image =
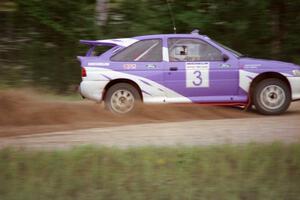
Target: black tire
[
  {"x": 271, "y": 97},
  {"x": 114, "y": 103}
]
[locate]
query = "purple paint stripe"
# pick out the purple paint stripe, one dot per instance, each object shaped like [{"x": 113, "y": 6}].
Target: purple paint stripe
[
  {"x": 250, "y": 77},
  {"x": 160, "y": 90},
  {"x": 147, "y": 83},
  {"x": 106, "y": 77},
  {"x": 143, "y": 91}
]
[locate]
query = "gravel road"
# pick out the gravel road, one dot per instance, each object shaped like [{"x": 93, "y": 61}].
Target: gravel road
[
  {"x": 26, "y": 120},
  {"x": 192, "y": 133}
]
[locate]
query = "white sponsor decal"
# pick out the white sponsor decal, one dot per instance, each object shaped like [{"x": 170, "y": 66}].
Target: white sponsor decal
[
  {"x": 129, "y": 66},
  {"x": 99, "y": 64},
  {"x": 197, "y": 74},
  {"x": 252, "y": 66}
]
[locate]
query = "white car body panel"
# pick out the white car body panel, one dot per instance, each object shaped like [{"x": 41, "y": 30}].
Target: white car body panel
[{"x": 92, "y": 86}]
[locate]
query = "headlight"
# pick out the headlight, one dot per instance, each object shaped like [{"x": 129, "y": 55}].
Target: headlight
[{"x": 296, "y": 72}]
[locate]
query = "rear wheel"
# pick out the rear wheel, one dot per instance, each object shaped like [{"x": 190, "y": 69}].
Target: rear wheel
[
  {"x": 122, "y": 98},
  {"x": 271, "y": 97}
]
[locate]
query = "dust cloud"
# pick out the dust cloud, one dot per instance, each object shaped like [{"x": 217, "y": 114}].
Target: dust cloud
[{"x": 25, "y": 112}]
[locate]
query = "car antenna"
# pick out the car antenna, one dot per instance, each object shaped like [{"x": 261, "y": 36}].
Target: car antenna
[{"x": 172, "y": 16}]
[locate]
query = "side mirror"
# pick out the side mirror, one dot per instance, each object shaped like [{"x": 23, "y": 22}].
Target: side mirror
[{"x": 225, "y": 57}]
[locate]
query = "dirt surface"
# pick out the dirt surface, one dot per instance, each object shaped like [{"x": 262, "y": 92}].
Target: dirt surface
[
  {"x": 26, "y": 120},
  {"x": 26, "y": 112},
  {"x": 192, "y": 133}
]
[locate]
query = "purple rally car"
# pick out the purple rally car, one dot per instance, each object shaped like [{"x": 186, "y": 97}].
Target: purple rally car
[{"x": 184, "y": 68}]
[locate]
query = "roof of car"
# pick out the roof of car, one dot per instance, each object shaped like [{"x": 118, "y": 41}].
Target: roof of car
[
  {"x": 128, "y": 41},
  {"x": 169, "y": 35}
]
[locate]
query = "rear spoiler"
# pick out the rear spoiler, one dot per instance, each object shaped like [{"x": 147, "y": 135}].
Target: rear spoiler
[{"x": 123, "y": 42}]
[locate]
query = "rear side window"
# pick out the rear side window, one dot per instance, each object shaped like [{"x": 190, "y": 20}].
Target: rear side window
[
  {"x": 99, "y": 50},
  {"x": 142, "y": 51}
]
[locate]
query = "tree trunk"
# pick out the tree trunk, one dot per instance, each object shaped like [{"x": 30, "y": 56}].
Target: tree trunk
[
  {"x": 278, "y": 9},
  {"x": 101, "y": 12}
]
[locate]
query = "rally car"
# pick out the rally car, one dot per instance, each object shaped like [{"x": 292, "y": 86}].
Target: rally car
[{"x": 184, "y": 68}]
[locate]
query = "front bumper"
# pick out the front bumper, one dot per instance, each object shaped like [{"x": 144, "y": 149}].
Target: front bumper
[
  {"x": 92, "y": 90},
  {"x": 295, "y": 87}
]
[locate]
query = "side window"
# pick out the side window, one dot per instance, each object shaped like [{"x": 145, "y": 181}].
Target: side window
[
  {"x": 191, "y": 50},
  {"x": 142, "y": 51}
]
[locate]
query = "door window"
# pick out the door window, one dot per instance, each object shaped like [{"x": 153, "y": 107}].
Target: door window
[
  {"x": 142, "y": 51},
  {"x": 192, "y": 50}
]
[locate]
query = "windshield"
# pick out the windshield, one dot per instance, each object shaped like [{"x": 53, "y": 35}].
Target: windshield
[{"x": 237, "y": 54}]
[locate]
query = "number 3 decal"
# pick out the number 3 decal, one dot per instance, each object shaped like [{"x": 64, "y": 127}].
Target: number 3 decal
[
  {"x": 198, "y": 79},
  {"x": 197, "y": 75}
]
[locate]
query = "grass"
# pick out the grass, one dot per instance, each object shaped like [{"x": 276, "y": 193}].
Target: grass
[{"x": 226, "y": 172}]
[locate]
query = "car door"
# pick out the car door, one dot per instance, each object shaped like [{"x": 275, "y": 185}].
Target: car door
[{"x": 198, "y": 70}]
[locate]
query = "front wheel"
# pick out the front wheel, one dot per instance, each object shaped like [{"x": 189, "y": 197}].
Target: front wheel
[
  {"x": 122, "y": 98},
  {"x": 271, "y": 97}
]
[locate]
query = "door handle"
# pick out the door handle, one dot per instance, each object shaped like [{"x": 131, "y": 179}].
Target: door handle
[{"x": 173, "y": 68}]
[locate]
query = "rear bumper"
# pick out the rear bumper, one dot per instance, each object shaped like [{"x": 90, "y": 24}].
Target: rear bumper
[
  {"x": 295, "y": 86},
  {"x": 92, "y": 90}
]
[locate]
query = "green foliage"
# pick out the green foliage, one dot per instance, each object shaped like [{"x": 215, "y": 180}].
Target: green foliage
[
  {"x": 69, "y": 18},
  {"x": 226, "y": 172},
  {"x": 50, "y": 30}
]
